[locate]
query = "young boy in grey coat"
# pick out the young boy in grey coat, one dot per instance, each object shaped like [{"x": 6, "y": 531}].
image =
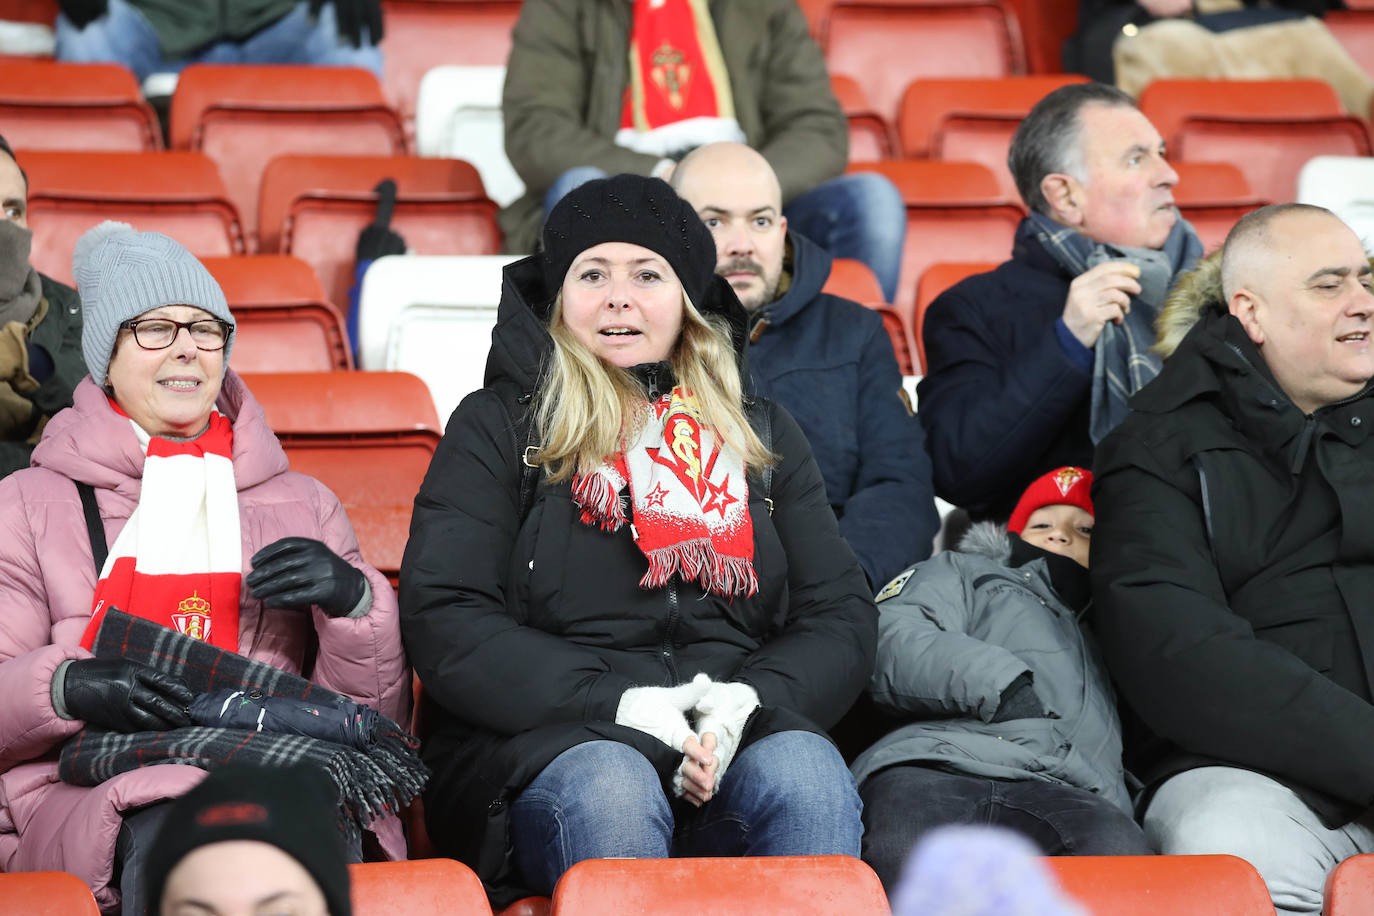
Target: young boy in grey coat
[{"x": 1004, "y": 714}]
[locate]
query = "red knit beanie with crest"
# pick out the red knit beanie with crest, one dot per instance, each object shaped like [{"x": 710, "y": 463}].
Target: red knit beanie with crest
[{"x": 1066, "y": 486}]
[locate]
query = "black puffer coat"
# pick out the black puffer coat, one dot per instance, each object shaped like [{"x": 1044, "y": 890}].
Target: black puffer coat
[
  {"x": 1233, "y": 573},
  {"x": 526, "y": 632}
]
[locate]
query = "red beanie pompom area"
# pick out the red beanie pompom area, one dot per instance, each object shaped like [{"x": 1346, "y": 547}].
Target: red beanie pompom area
[{"x": 1067, "y": 486}]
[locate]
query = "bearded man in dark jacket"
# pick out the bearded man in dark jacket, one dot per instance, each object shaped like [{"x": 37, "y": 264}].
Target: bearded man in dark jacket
[
  {"x": 827, "y": 360},
  {"x": 1233, "y": 561},
  {"x": 1029, "y": 365}
]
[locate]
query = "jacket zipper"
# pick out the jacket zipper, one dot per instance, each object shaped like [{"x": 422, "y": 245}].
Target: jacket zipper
[
  {"x": 669, "y": 628},
  {"x": 651, "y": 381}
]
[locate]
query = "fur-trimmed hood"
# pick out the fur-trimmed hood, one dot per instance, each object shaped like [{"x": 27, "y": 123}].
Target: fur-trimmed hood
[
  {"x": 1194, "y": 291},
  {"x": 987, "y": 539}
]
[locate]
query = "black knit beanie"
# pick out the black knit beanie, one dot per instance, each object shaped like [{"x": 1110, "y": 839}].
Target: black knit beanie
[
  {"x": 288, "y": 807},
  {"x": 629, "y": 208}
]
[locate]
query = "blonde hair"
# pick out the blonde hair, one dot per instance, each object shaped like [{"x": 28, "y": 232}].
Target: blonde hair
[{"x": 586, "y": 407}]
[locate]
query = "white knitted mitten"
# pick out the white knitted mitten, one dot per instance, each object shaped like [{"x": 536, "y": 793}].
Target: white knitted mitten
[{"x": 661, "y": 711}]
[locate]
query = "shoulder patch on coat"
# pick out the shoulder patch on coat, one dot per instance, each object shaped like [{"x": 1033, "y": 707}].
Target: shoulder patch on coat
[{"x": 895, "y": 586}]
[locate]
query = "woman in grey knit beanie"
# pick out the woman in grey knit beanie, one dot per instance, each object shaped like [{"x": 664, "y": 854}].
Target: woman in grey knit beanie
[{"x": 166, "y": 465}]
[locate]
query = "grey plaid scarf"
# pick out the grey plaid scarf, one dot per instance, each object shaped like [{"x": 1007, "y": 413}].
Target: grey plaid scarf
[
  {"x": 1122, "y": 360},
  {"x": 368, "y": 783}
]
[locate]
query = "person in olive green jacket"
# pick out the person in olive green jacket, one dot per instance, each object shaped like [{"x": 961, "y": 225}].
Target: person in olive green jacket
[
  {"x": 597, "y": 87},
  {"x": 40, "y": 329}
]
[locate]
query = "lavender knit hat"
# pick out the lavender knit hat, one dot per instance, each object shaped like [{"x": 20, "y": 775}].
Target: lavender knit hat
[
  {"x": 122, "y": 273},
  {"x": 978, "y": 871}
]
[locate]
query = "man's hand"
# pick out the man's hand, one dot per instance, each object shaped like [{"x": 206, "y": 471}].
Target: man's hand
[
  {"x": 1167, "y": 9},
  {"x": 1098, "y": 296}
]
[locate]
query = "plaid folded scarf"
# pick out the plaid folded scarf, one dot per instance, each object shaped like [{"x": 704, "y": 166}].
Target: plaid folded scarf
[{"x": 368, "y": 783}]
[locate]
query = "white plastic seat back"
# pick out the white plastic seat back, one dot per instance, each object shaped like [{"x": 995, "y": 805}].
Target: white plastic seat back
[
  {"x": 431, "y": 316},
  {"x": 1345, "y": 186},
  {"x": 458, "y": 116}
]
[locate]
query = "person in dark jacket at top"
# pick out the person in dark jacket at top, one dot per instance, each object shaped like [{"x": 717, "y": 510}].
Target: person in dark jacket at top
[
  {"x": 40, "y": 329},
  {"x": 642, "y": 662},
  {"x": 1233, "y": 560},
  {"x": 166, "y": 36},
  {"x": 1029, "y": 365},
  {"x": 1002, "y": 711},
  {"x": 825, "y": 359}
]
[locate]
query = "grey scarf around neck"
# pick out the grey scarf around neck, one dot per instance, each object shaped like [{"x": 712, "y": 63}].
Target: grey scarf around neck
[
  {"x": 20, "y": 288},
  {"x": 1122, "y": 360}
]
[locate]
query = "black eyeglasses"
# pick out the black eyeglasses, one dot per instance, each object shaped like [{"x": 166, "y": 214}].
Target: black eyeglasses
[{"x": 158, "y": 333}]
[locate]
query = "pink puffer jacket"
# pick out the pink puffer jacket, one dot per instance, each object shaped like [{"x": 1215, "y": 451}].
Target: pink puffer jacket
[{"x": 47, "y": 578}]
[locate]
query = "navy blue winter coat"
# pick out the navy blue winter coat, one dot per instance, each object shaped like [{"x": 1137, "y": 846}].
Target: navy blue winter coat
[
  {"x": 829, "y": 362},
  {"x": 1001, "y": 402}
]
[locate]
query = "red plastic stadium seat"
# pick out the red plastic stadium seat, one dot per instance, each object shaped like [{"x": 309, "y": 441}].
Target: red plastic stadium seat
[
  {"x": 896, "y": 332},
  {"x": 176, "y": 193},
  {"x": 368, "y": 436},
  {"x": 1269, "y": 128},
  {"x": 1350, "y": 888},
  {"x": 1154, "y": 885},
  {"x": 971, "y": 120},
  {"x": 792, "y": 885},
  {"x": 1212, "y": 196},
  {"x": 45, "y": 104},
  {"x": 529, "y": 906},
  {"x": 851, "y": 279},
  {"x": 936, "y": 279},
  {"x": 885, "y": 44},
  {"x": 870, "y": 136},
  {"x": 955, "y": 211},
  {"x": 315, "y": 206},
  {"x": 242, "y": 116},
  {"x": 284, "y": 321},
  {"x": 1045, "y": 25},
  {"x": 419, "y": 887},
  {"x": 424, "y": 34},
  {"x": 46, "y": 893}
]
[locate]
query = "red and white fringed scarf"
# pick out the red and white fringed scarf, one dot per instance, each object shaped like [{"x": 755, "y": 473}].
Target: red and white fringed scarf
[
  {"x": 178, "y": 561},
  {"x": 690, "y": 500}
]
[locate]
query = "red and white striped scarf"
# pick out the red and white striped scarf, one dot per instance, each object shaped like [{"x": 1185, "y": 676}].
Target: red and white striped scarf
[
  {"x": 689, "y": 497},
  {"x": 178, "y": 560}
]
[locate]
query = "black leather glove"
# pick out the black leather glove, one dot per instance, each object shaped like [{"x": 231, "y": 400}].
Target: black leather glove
[
  {"x": 352, "y": 16},
  {"x": 82, "y": 12},
  {"x": 124, "y": 696},
  {"x": 1019, "y": 701},
  {"x": 299, "y": 572}
]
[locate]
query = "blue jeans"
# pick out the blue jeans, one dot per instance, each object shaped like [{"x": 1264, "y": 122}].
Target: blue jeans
[
  {"x": 123, "y": 36},
  {"x": 903, "y": 803},
  {"x": 859, "y": 216},
  {"x": 787, "y": 794}
]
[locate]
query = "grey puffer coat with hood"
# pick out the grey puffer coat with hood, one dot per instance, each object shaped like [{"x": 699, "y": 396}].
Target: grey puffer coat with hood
[{"x": 955, "y": 631}]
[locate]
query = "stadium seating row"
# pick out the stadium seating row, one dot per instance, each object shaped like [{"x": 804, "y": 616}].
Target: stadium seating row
[{"x": 1107, "y": 886}]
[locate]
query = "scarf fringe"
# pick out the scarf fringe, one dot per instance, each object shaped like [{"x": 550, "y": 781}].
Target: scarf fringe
[
  {"x": 600, "y": 502},
  {"x": 698, "y": 560}
]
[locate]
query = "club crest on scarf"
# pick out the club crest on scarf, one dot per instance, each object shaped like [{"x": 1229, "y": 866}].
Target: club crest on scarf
[
  {"x": 192, "y": 617},
  {"x": 689, "y": 500}
]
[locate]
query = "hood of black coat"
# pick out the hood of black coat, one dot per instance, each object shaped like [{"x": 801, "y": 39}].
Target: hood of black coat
[{"x": 520, "y": 342}]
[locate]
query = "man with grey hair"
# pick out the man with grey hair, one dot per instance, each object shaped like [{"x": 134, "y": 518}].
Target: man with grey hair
[
  {"x": 1029, "y": 365},
  {"x": 40, "y": 329},
  {"x": 1232, "y": 562}
]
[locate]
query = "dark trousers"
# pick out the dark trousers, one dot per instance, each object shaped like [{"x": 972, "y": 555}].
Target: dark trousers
[{"x": 902, "y": 803}]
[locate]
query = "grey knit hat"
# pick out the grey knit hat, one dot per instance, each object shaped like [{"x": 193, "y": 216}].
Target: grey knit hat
[{"x": 122, "y": 273}]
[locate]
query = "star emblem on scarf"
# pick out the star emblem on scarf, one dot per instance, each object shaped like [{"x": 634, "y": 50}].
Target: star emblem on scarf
[
  {"x": 656, "y": 496},
  {"x": 716, "y": 497}
]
